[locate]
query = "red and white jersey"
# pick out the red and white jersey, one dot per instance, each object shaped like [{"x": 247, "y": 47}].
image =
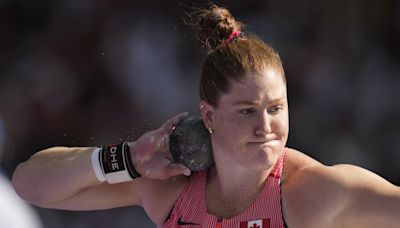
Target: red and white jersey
[{"x": 190, "y": 210}]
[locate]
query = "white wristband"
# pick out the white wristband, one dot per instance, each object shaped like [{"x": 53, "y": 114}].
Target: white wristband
[
  {"x": 96, "y": 165},
  {"x": 118, "y": 177},
  {"x": 117, "y": 172}
]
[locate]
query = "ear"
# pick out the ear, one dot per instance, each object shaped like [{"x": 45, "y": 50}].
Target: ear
[{"x": 207, "y": 113}]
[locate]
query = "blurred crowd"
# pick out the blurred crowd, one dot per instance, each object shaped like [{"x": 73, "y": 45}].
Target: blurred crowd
[{"x": 91, "y": 72}]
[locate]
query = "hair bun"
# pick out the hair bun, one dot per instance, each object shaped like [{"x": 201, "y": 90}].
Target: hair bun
[{"x": 215, "y": 25}]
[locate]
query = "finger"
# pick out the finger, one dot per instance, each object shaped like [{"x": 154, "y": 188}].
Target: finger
[
  {"x": 175, "y": 169},
  {"x": 169, "y": 124},
  {"x": 163, "y": 169}
]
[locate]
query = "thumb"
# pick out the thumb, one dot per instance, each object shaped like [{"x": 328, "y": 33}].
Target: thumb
[{"x": 175, "y": 169}]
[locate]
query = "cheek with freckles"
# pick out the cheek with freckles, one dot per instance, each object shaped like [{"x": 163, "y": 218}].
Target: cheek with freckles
[{"x": 232, "y": 133}]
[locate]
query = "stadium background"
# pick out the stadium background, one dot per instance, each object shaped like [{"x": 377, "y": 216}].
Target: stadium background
[{"x": 80, "y": 73}]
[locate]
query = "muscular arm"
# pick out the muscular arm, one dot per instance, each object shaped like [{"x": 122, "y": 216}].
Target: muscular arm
[
  {"x": 63, "y": 178},
  {"x": 338, "y": 196},
  {"x": 370, "y": 200}
]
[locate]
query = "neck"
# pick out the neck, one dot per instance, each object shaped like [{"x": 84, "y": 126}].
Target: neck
[
  {"x": 230, "y": 190},
  {"x": 231, "y": 178},
  {"x": 232, "y": 187}
]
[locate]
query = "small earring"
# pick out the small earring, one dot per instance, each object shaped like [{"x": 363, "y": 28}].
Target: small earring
[{"x": 210, "y": 130}]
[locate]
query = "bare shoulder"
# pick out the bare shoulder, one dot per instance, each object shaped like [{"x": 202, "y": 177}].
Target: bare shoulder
[
  {"x": 311, "y": 191},
  {"x": 296, "y": 161},
  {"x": 315, "y": 195},
  {"x": 158, "y": 197},
  {"x": 304, "y": 172}
]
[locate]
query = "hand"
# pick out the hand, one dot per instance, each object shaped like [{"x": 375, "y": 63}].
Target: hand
[{"x": 151, "y": 156}]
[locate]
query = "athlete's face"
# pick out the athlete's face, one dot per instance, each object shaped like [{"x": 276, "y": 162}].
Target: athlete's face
[{"x": 251, "y": 122}]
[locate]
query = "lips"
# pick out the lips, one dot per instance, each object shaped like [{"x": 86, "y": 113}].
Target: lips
[{"x": 264, "y": 142}]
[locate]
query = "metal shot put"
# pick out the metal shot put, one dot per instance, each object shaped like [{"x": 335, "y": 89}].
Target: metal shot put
[{"x": 190, "y": 144}]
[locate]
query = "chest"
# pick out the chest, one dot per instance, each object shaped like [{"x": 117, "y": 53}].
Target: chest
[
  {"x": 244, "y": 206},
  {"x": 226, "y": 206}
]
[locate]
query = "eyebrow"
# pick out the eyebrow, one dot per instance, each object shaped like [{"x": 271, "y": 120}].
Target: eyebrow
[{"x": 253, "y": 102}]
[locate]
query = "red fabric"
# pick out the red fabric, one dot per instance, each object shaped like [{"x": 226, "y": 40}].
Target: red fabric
[{"x": 191, "y": 204}]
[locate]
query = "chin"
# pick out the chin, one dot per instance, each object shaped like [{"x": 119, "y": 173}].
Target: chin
[
  {"x": 268, "y": 155},
  {"x": 264, "y": 159}
]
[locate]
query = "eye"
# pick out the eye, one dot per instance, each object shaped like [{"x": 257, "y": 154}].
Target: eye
[
  {"x": 246, "y": 111},
  {"x": 275, "y": 109}
]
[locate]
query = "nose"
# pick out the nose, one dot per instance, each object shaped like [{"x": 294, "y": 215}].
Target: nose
[{"x": 263, "y": 126}]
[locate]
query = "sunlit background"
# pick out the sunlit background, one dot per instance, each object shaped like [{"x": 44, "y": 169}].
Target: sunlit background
[{"x": 87, "y": 72}]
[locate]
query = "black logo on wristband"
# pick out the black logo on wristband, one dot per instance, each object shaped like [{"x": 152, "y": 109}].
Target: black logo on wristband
[{"x": 113, "y": 160}]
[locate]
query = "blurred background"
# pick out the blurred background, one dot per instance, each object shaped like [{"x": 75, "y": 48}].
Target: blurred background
[{"x": 91, "y": 72}]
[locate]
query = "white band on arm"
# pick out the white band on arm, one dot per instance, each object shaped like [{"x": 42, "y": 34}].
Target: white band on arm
[
  {"x": 96, "y": 165},
  {"x": 113, "y": 164}
]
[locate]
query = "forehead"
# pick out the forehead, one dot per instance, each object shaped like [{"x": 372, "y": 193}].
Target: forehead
[{"x": 268, "y": 85}]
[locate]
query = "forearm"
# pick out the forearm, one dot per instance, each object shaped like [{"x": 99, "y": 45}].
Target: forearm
[
  {"x": 72, "y": 178},
  {"x": 54, "y": 174}
]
